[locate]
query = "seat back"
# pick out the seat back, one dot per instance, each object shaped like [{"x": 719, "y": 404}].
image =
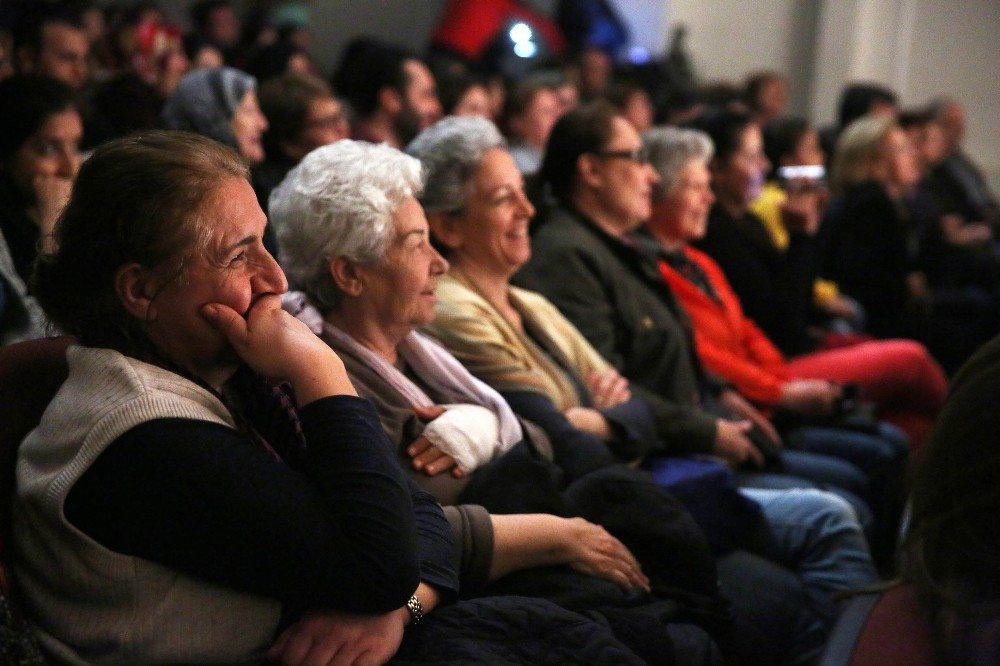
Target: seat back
[
  {"x": 31, "y": 373},
  {"x": 888, "y": 628}
]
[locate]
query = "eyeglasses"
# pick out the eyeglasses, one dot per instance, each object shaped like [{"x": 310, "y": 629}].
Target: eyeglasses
[{"x": 640, "y": 155}]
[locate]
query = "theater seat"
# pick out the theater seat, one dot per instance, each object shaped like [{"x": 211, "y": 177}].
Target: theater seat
[
  {"x": 30, "y": 374},
  {"x": 887, "y": 628}
]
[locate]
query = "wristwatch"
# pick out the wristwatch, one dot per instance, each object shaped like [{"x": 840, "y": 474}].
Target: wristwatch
[{"x": 415, "y": 609}]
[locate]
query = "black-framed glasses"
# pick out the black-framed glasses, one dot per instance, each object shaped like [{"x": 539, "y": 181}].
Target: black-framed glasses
[{"x": 640, "y": 155}]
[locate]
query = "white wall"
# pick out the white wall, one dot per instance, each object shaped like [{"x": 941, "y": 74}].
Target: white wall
[
  {"x": 955, "y": 51},
  {"x": 920, "y": 48},
  {"x": 729, "y": 39}
]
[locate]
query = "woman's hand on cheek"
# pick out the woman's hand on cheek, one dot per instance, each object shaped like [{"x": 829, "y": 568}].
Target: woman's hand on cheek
[{"x": 279, "y": 346}]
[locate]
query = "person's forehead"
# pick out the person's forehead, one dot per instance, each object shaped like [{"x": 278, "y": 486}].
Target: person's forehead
[
  {"x": 63, "y": 35},
  {"x": 623, "y": 135},
  {"x": 322, "y": 106},
  {"x": 417, "y": 73},
  {"x": 63, "y": 124}
]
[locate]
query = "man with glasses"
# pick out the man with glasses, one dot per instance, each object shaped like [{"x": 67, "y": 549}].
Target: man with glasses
[{"x": 302, "y": 115}]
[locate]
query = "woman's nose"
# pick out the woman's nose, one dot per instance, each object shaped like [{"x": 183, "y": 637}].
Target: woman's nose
[
  {"x": 69, "y": 163},
  {"x": 270, "y": 278},
  {"x": 439, "y": 264}
]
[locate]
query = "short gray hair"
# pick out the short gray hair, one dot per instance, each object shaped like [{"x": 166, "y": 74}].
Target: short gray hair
[
  {"x": 451, "y": 151},
  {"x": 671, "y": 148},
  {"x": 339, "y": 202}
]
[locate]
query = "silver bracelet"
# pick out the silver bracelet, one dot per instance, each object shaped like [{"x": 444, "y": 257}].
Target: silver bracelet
[{"x": 415, "y": 609}]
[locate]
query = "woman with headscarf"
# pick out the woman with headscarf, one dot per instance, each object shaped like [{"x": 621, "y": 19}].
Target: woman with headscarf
[{"x": 220, "y": 103}]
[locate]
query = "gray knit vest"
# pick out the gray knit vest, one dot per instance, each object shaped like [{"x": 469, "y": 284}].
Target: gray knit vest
[{"x": 89, "y": 604}]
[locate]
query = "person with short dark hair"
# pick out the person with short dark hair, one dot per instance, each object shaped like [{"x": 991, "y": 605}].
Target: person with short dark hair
[
  {"x": 857, "y": 101},
  {"x": 765, "y": 95},
  {"x": 52, "y": 42},
  {"x": 532, "y": 109},
  {"x": 302, "y": 115},
  {"x": 392, "y": 92},
  {"x": 216, "y": 34}
]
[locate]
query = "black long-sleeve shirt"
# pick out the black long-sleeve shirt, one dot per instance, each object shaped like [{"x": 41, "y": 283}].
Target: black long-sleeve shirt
[{"x": 347, "y": 531}]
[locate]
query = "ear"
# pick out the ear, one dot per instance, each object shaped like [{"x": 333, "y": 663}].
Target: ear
[
  {"x": 132, "y": 285},
  {"x": 444, "y": 227},
  {"x": 346, "y": 276},
  {"x": 390, "y": 100},
  {"x": 589, "y": 169}
]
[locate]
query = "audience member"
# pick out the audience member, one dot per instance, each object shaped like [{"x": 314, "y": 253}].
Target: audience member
[
  {"x": 282, "y": 57},
  {"x": 793, "y": 142},
  {"x": 51, "y": 41},
  {"x": 221, "y": 104},
  {"x": 871, "y": 247},
  {"x": 302, "y": 115},
  {"x": 152, "y": 64},
  {"x": 906, "y": 384},
  {"x": 463, "y": 94},
  {"x": 533, "y": 107},
  {"x": 215, "y": 36},
  {"x": 39, "y": 159},
  {"x": 392, "y": 93},
  {"x": 957, "y": 184},
  {"x": 950, "y": 553},
  {"x": 633, "y": 103},
  {"x": 774, "y": 286},
  {"x": 859, "y": 100},
  {"x": 766, "y": 97}
]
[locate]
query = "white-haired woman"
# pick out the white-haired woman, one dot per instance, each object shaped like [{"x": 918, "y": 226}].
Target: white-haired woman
[
  {"x": 517, "y": 341},
  {"x": 355, "y": 239}
]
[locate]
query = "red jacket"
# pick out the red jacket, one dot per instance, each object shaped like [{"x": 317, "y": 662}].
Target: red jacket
[{"x": 728, "y": 342}]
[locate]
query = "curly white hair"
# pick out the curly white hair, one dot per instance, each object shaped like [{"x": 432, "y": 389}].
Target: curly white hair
[{"x": 339, "y": 202}]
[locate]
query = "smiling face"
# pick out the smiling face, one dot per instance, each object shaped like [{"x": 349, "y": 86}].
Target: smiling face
[
  {"x": 739, "y": 177},
  {"x": 398, "y": 292},
  {"x": 490, "y": 234},
  {"x": 682, "y": 214},
  {"x": 233, "y": 268}
]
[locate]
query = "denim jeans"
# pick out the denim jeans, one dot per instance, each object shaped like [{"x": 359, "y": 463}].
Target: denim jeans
[
  {"x": 817, "y": 535},
  {"x": 814, "y": 470}
]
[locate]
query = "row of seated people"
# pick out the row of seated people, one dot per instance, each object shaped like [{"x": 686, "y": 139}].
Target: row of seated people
[
  {"x": 358, "y": 244},
  {"x": 936, "y": 280}
]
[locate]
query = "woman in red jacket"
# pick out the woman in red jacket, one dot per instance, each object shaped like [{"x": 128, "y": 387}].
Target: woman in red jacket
[{"x": 898, "y": 375}]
